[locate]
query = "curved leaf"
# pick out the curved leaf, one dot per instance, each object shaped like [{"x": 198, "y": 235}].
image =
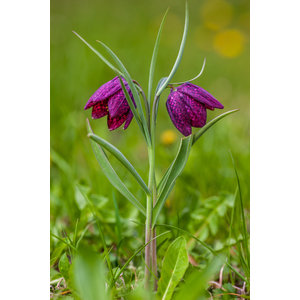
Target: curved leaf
[
  {"x": 112, "y": 175},
  {"x": 154, "y": 55},
  {"x": 133, "y": 90},
  {"x": 173, "y": 172},
  {"x": 211, "y": 123},
  {"x": 99, "y": 55},
  {"x": 180, "y": 52},
  {"x": 194, "y": 78},
  {"x": 174, "y": 266},
  {"x": 122, "y": 159}
]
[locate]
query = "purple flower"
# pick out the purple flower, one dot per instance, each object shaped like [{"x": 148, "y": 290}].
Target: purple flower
[
  {"x": 187, "y": 106},
  {"x": 110, "y": 100}
]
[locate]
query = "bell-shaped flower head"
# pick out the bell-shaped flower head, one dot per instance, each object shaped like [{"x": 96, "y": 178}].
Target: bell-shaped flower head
[
  {"x": 110, "y": 100},
  {"x": 187, "y": 107}
]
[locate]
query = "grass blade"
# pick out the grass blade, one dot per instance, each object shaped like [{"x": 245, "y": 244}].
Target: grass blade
[
  {"x": 180, "y": 52},
  {"x": 122, "y": 159},
  {"x": 188, "y": 233},
  {"x": 111, "y": 174},
  {"x": 154, "y": 56},
  {"x": 118, "y": 219},
  {"x": 211, "y": 123},
  {"x": 134, "y": 255},
  {"x": 93, "y": 210},
  {"x": 244, "y": 226}
]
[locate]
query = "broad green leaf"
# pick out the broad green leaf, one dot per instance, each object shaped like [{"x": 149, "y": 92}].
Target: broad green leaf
[
  {"x": 122, "y": 159},
  {"x": 194, "y": 78},
  {"x": 211, "y": 250},
  {"x": 180, "y": 52},
  {"x": 133, "y": 90},
  {"x": 174, "y": 266},
  {"x": 154, "y": 56},
  {"x": 196, "y": 284},
  {"x": 210, "y": 124},
  {"x": 79, "y": 198},
  {"x": 112, "y": 175},
  {"x": 89, "y": 276},
  {"x": 64, "y": 266},
  {"x": 174, "y": 171}
]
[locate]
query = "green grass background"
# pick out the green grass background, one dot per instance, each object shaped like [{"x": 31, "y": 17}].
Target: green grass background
[{"x": 129, "y": 28}]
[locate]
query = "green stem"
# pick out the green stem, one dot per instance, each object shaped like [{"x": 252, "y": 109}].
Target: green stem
[
  {"x": 148, "y": 229},
  {"x": 147, "y": 240}
]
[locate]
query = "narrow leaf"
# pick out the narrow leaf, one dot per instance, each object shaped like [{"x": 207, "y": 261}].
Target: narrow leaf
[
  {"x": 156, "y": 101},
  {"x": 122, "y": 159},
  {"x": 175, "y": 170},
  {"x": 154, "y": 55},
  {"x": 180, "y": 52},
  {"x": 132, "y": 88},
  {"x": 127, "y": 77},
  {"x": 244, "y": 226},
  {"x": 99, "y": 55},
  {"x": 163, "y": 180},
  {"x": 112, "y": 175},
  {"x": 174, "y": 266},
  {"x": 188, "y": 233},
  {"x": 200, "y": 73},
  {"x": 132, "y": 107},
  {"x": 211, "y": 123}
]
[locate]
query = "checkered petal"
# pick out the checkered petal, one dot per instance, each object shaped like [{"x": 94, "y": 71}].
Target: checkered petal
[
  {"x": 116, "y": 122},
  {"x": 100, "y": 109},
  {"x": 178, "y": 113},
  {"x": 200, "y": 95},
  {"x": 196, "y": 111},
  {"x": 117, "y": 103},
  {"x": 105, "y": 91},
  {"x": 128, "y": 120}
]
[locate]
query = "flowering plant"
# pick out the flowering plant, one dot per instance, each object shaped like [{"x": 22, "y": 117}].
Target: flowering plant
[{"x": 123, "y": 99}]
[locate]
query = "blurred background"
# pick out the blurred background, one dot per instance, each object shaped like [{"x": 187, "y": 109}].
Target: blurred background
[{"x": 218, "y": 30}]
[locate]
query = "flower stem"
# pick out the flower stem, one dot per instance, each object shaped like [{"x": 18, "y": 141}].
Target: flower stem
[{"x": 147, "y": 240}]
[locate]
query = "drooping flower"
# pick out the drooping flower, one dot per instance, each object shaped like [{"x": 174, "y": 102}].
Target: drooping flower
[
  {"x": 110, "y": 100},
  {"x": 187, "y": 106}
]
